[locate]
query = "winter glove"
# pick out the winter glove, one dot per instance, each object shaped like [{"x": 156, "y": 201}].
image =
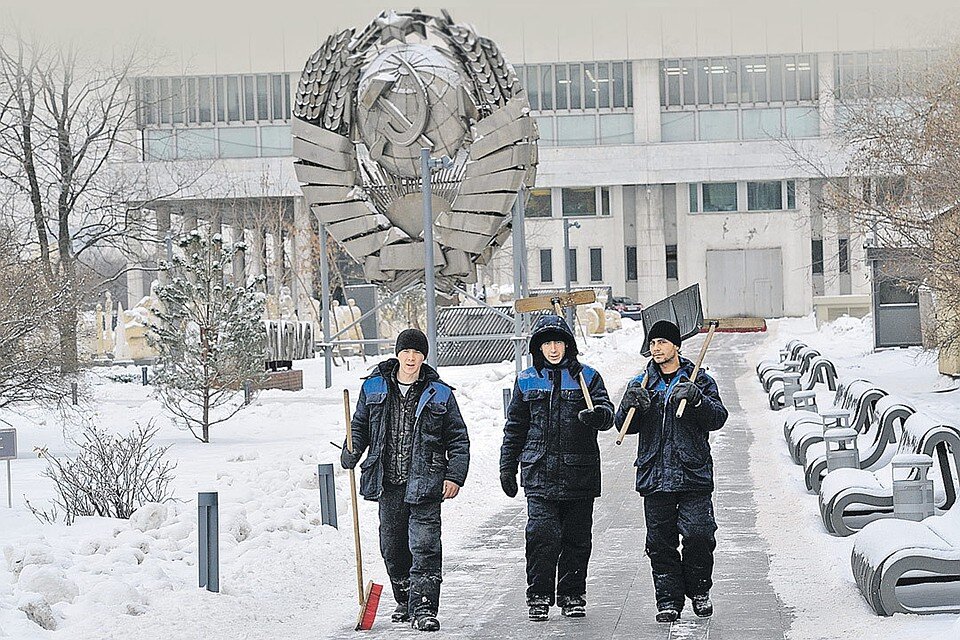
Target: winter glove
[
  {"x": 636, "y": 397},
  {"x": 688, "y": 391},
  {"x": 597, "y": 418},
  {"x": 508, "y": 480},
  {"x": 348, "y": 460}
]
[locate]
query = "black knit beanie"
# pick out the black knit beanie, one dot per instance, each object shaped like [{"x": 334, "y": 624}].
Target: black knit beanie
[
  {"x": 666, "y": 330},
  {"x": 412, "y": 339}
]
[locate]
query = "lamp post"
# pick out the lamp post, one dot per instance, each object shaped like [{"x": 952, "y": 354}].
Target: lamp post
[
  {"x": 568, "y": 313},
  {"x": 427, "y": 165}
]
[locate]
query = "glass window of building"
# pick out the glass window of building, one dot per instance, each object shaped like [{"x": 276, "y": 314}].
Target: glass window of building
[
  {"x": 631, "y": 263},
  {"x": 562, "y": 88},
  {"x": 589, "y": 85},
  {"x": 843, "y": 246},
  {"x": 196, "y": 142},
  {"x": 238, "y": 142},
  {"x": 220, "y": 96},
  {"x": 764, "y": 196},
  {"x": 596, "y": 264},
  {"x": 276, "y": 140},
  {"x": 802, "y": 122},
  {"x": 546, "y": 86},
  {"x": 719, "y": 196},
  {"x": 677, "y": 126},
  {"x": 578, "y": 201},
  {"x": 546, "y": 129},
  {"x": 743, "y": 80},
  {"x": 694, "y": 193},
  {"x": 816, "y": 255},
  {"x": 618, "y": 85},
  {"x": 604, "y": 201},
  {"x": 761, "y": 123},
  {"x": 249, "y": 99},
  {"x": 263, "y": 97},
  {"x": 233, "y": 98},
  {"x": 616, "y": 128},
  {"x": 546, "y": 265},
  {"x": 538, "y": 204},
  {"x": 671, "y": 256},
  {"x": 718, "y": 125},
  {"x": 576, "y": 131},
  {"x": 572, "y": 264},
  {"x": 159, "y": 144},
  {"x": 205, "y": 98},
  {"x": 791, "y": 194},
  {"x": 575, "y": 75}
]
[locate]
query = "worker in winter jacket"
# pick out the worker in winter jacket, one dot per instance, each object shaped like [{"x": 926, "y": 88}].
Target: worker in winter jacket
[
  {"x": 675, "y": 471},
  {"x": 551, "y": 436},
  {"x": 408, "y": 422}
]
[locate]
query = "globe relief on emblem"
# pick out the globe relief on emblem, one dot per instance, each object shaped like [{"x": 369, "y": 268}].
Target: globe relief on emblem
[{"x": 369, "y": 101}]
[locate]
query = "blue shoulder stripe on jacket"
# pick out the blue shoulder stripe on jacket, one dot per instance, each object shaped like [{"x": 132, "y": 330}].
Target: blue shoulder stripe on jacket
[
  {"x": 375, "y": 384},
  {"x": 438, "y": 391}
]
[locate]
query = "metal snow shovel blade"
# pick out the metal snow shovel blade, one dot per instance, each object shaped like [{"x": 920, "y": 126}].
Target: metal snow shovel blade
[{"x": 682, "y": 309}]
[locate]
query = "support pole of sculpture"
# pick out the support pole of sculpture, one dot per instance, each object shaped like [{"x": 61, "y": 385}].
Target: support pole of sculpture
[
  {"x": 325, "y": 304},
  {"x": 431, "y": 292},
  {"x": 519, "y": 277}
]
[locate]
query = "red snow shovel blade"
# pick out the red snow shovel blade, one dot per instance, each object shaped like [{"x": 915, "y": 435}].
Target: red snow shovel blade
[{"x": 368, "y": 612}]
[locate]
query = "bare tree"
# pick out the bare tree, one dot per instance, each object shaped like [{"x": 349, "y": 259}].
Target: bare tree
[
  {"x": 899, "y": 135},
  {"x": 66, "y": 119}
]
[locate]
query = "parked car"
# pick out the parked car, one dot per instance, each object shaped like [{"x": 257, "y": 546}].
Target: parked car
[{"x": 626, "y": 307}]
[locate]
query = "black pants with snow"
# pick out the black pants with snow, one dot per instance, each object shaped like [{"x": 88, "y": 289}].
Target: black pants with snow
[
  {"x": 670, "y": 516},
  {"x": 559, "y": 541},
  {"x": 410, "y": 545}
]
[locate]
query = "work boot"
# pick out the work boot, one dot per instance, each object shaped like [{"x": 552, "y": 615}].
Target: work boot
[
  {"x": 539, "y": 608},
  {"x": 400, "y": 614},
  {"x": 573, "y": 606},
  {"x": 425, "y": 623},
  {"x": 668, "y": 614},
  {"x": 702, "y": 605}
]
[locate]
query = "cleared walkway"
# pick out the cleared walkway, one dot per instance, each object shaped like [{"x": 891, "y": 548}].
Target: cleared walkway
[{"x": 483, "y": 589}]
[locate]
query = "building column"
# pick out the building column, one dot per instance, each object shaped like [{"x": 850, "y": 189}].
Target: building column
[
  {"x": 831, "y": 254},
  {"x": 254, "y": 257},
  {"x": 239, "y": 257},
  {"x": 275, "y": 258},
  {"x": 651, "y": 251},
  {"x": 827, "y": 104},
  {"x": 164, "y": 239},
  {"x": 302, "y": 257},
  {"x": 646, "y": 101}
]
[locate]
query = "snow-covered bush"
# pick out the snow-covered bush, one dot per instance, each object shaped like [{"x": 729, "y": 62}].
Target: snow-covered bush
[
  {"x": 110, "y": 476},
  {"x": 210, "y": 336}
]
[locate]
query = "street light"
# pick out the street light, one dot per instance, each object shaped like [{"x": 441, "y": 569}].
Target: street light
[
  {"x": 569, "y": 311},
  {"x": 427, "y": 165}
]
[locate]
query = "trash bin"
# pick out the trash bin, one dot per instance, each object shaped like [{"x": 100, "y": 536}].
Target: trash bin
[
  {"x": 835, "y": 419},
  {"x": 841, "y": 449},
  {"x": 912, "y": 489},
  {"x": 805, "y": 401},
  {"x": 791, "y": 384}
]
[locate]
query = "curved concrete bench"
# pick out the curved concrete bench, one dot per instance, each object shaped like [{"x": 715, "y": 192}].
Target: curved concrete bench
[
  {"x": 859, "y": 397},
  {"x": 849, "y": 498},
  {"x": 791, "y": 347},
  {"x": 773, "y": 375},
  {"x": 875, "y": 444},
  {"x": 890, "y": 556},
  {"x": 821, "y": 371},
  {"x": 806, "y": 434}
]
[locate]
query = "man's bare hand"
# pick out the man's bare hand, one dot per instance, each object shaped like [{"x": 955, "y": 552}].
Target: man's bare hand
[{"x": 450, "y": 489}]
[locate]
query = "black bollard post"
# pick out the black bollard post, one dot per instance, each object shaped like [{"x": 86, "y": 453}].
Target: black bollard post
[
  {"x": 247, "y": 391},
  {"x": 209, "y": 545},
  {"x": 73, "y": 392},
  {"x": 328, "y": 495},
  {"x": 143, "y": 373}
]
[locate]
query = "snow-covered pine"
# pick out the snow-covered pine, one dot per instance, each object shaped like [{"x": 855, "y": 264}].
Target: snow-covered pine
[{"x": 209, "y": 333}]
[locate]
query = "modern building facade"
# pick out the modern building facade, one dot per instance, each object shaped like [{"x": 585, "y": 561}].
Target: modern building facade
[{"x": 690, "y": 141}]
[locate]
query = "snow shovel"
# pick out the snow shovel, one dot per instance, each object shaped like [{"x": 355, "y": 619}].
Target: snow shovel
[
  {"x": 369, "y": 597},
  {"x": 685, "y": 310},
  {"x": 556, "y": 303}
]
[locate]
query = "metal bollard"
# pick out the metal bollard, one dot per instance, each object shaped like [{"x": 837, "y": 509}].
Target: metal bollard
[
  {"x": 842, "y": 450},
  {"x": 247, "y": 392},
  {"x": 791, "y": 385},
  {"x": 73, "y": 392},
  {"x": 143, "y": 373},
  {"x": 835, "y": 419},
  {"x": 805, "y": 401},
  {"x": 328, "y": 495},
  {"x": 209, "y": 541},
  {"x": 506, "y": 402},
  {"x": 912, "y": 489}
]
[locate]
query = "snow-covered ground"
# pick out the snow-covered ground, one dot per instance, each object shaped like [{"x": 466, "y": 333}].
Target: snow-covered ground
[
  {"x": 810, "y": 569},
  {"x": 285, "y": 575}
]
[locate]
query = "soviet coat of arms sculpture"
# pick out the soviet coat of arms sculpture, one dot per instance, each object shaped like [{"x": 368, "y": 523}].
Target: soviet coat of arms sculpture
[{"x": 368, "y": 102}]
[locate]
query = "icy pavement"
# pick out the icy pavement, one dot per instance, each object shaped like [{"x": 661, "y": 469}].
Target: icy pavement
[{"x": 484, "y": 583}]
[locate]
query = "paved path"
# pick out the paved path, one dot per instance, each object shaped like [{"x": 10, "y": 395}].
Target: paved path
[{"x": 483, "y": 589}]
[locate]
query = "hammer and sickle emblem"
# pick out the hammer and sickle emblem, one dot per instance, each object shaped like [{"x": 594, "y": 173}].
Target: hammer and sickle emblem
[{"x": 399, "y": 129}]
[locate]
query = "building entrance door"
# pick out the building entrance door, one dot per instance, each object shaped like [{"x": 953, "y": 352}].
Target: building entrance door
[{"x": 744, "y": 283}]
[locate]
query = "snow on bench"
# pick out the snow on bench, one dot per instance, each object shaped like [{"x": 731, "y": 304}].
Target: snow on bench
[
  {"x": 821, "y": 370},
  {"x": 849, "y": 498},
  {"x": 792, "y": 348},
  {"x": 875, "y": 443},
  {"x": 772, "y": 375},
  {"x": 902, "y": 566}
]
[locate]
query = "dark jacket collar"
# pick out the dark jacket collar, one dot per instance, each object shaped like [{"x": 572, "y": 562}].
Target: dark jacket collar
[
  {"x": 654, "y": 376},
  {"x": 388, "y": 371}
]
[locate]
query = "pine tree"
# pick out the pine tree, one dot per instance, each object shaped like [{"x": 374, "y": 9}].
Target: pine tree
[{"x": 209, "y": 333}]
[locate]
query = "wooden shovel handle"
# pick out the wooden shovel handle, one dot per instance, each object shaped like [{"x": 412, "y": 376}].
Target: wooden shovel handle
[
  {"x": 353, "y": 499},
  {"x": 586, "y": 392},
  {"x": 629, "y": 419},
  {"x": 696, "y": 369}
]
